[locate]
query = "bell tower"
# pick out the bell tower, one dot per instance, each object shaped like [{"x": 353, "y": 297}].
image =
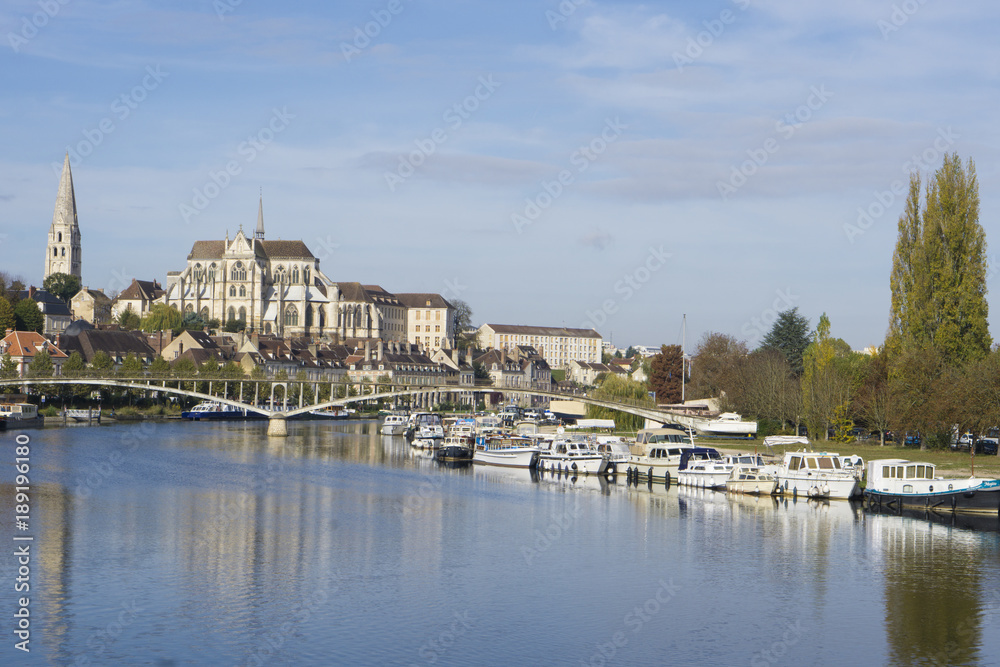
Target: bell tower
[{"x": 63, "y": 254}]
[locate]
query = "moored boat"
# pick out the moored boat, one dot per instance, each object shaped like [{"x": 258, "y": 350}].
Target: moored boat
[
  {"x": 509, "y": 451},
  {"x": 214, "y": 410},
  {"x": 455, "y": 448},
  {"x": 571, "y": 454},
  {"x": 749, "y": 478},
  {"x": 425, "y": 425},
  {"x": 394, "y": 425},
  {"x": 703, "y": 467},
  {"x": 897, "y": 483},
  {"x": 813, "y": 475},
  {"x": 656, "y": 452}
]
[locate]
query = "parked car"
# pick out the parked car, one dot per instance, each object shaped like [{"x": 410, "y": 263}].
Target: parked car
[{"x": 911, "y": 440}]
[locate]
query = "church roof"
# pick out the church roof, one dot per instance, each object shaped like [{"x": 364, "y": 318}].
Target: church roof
[
  {"x": 270, "y": 249},
  {"x": 65, "y": 211}
]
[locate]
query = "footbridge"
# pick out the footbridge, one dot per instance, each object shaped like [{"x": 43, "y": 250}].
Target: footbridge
[{"x": 270, "y": 398}]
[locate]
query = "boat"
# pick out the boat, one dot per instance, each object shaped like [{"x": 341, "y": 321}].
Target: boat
[
  {"x": 16, "y": 412},
  {"x": 703, "y": 467},
  {"x": 216, "y": 410},
  {"x": 573, "y": 455},
  {"x": 727, "y": 423},
  {"x": 615, "y": 450},
  {"x": 330, "y": 413},
  {"x": 897, "y": 483},
  {"x": 814, "y": 475},
  {"x": 656, "y": 452},
  {"x": 394, "y": 425},
  {"x": 456, "y": 448},
  {"x": 749, "y": 478},
  {"x": 425, "y": 425},
  {"x": 509, "y": 451}
]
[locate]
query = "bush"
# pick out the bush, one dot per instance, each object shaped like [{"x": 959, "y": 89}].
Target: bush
[{"x": 50, "y": 411}]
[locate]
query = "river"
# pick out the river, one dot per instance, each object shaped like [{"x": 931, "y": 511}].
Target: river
[{"x": 210, "y": 544}]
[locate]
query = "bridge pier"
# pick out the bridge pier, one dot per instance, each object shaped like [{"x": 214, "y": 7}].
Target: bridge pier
[{"x": 277, "y": 428}]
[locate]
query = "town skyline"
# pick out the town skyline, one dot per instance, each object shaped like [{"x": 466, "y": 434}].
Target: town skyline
[{"x": 605, "y": 165}]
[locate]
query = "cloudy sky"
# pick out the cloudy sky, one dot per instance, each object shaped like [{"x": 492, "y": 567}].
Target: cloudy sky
[{"x": 603, "y": 164}]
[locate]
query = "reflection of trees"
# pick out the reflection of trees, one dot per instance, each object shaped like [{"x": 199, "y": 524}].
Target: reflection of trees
[{"x": 932, "y": 603}]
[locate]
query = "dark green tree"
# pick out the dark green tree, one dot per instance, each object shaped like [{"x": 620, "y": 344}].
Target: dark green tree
[
  {"x": 41, "y": 366},
  {"x": 789, "y": 335},
  {"x": 193, "y": 322},
  {"x": 102, "y": 363},
  {"x": 8, "y": 367},
  {"x": 63, "y": 285},
  {"x": 159, "y": 368},
  {"x": 128, "y": 320},
  {"x": 28, "y": 317},
  {"x": 131, "y": 366},
  {"x": 666, "y": 375},
  {"x": 74, "y": 366},
  {"x": 712, "y": 366},
  {"x": 7, "y": 318}
]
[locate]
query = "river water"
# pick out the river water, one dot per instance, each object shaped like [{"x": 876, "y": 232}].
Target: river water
[{"x": 210, "y": 544}]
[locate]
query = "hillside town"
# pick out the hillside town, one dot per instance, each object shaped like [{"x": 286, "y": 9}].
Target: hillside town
[{"x": 267, "y": 306}]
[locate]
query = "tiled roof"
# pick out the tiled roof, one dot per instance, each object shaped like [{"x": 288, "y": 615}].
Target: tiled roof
[
  {"x": 114, "y": 343},
  {"x": 423, "y": 301},
  {"x": 145, "y": 290},
  {"x": 24, "y": 344},
  {"x": 543, "y": 331},
  {"x": 270, "y": 249}
]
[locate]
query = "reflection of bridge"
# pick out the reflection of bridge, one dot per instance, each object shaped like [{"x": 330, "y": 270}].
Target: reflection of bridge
[{"x": 245, "y": 394}]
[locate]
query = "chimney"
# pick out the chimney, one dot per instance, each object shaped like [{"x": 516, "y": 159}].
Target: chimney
[
  {"x": 468, "y": 350},
  {"x": 503, "y": 357},
  {"x": 31, "y": 292},
  {"x": 368, "y": 351},
  {"x": 312, "y": 349},
  {"x": 379, "y": 350}
]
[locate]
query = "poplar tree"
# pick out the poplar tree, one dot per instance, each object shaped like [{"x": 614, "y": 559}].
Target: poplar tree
[{"x": 938, "y": 279}]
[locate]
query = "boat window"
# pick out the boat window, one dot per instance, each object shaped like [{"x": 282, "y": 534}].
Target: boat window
[
  {"x": 885, "y": 471},
  {"x": 826, "y": 463},
  {"x": 899, "y": 472},
  {"x": 795, "y": 463},
  {"x": 931, "y": 488},
  {"x": 920, "y": 472},
  {"x": 907, "y": 488},
  {"x": 836, "y": 463},
  {"x": 911, "y": 472},
  {"x": 951, "y": 487},
  {"x": 812, "y": 464}
]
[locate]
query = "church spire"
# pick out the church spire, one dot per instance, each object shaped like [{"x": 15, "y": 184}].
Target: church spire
[
  {"x": 259, "y": 234},
  {"x": 63, "y": 254}
]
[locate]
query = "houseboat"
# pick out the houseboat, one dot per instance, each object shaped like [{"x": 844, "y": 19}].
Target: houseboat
[
  {"x": 508, "y": 451},
  {"x": 896, "y": 484},
  {"x": 656, "y": 452}
]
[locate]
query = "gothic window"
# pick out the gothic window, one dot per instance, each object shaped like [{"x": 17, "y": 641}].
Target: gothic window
[
  {"x": 243, "y": 314},
  {"x": 55, "y": 252},
  {"x": 239, "y": 272},
  {"x": 231, "y": 315},
  {"x": 189, "y": 308},
  {"x": 295, "y": 275},
  {"x": 64, "y": 252},
  {"x": 305, "y": 275},
  {"x": 267, "y": 328},
  {"x": 291, "y": 316},
  {"x": 199, "y": 273},
  {"x": 309, "y": 316},
  {"x": 211, "y": 273},
  {"x": 232, "y": 290},
  {"x": 322, "y": 317},
  {"x": 279, "y": 274},
  {"x": 59, "y": 235},
  {"x": 203, "y": 314},
  {"x": 243, "y": 290}
]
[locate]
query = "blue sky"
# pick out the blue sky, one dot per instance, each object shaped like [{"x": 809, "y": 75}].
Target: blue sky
[{"x": 606, "y": 164}]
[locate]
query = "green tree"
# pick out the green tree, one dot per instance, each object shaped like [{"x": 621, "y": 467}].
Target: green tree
[
  {"x": 938, "y": 279},
  {"x": 7, "y": 317},
  {"x": 102, "y": 363},
  {"x": 63, "y": 285},
  {"x": 74, "y": 366},
  {"x": 159, "y": 368},
  {"x": 874, "y": 402},
  {"x": 8, "y": 367},
  {"x": 160, "y": 318},
  {"x": 832, "y": 373},
  {"x": 193, "y": 322},
  {"x": 128, "y": 320},
  {"x": 616, "y": 388},
  {"x": 665, "y": 375},
  {"x": 28, "y": 317},
  {"x": 789, "y": 335},
  {"x": 131, "y": 366},
  {"x": 41, "y": 366},
  {"x": 235, "y": 326}
]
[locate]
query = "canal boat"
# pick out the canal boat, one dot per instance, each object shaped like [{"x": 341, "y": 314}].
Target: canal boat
[
  {"x": 571, "y": 454},
  {"x": 814, "y": 475},
  {"x": 330, "y": 413},
  {"x": 508, "y": 451},
  {"x": 425, "y": 425},
  {"x": 897, "y": 483},
  {"x": 214, "y": 410},
  {"x": 19, "y": 412},
  {"x": 727, "y": 424},
  {"x": 456, "y": 448},
  {"x": 394, "y": 425},
  {"x": 656, "y": 452},
  {"x": 749, "y": 478},
  {"x": 703, "y": 467},
  {"x": 615, "y": 450}
]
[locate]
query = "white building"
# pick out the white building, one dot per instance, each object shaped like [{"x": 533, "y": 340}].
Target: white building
[{"x": 557, "y": 345}]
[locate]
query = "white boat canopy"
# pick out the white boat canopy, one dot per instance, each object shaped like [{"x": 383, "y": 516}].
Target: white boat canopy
[{"x": 773, "y": 440}]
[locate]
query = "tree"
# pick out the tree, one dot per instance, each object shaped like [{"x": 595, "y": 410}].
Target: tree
[
  {"x": 128, "y": 320},
  {"x": 7, "y": 317},
  {"x": 234, "y": 326},
  {"x": 8, "y": 367},
  {"x": 789, "y": 335},
  {"x": 665, "y": 375},
  {"x": 762, "y": 386},
  {"x": 481, "y": 375},
  {"x": 160, "y": 318},
  {"x": 41, "y": 366},
  {"x": 875, "y": 403},
  {"x": 830, "y": 377},
  {"x": 102, "y": 363},
  {"x": 10, "y": 286},
  {"x": 159, "y": 368},
  {"x": 131, "y": 366},
  {"x": 63, "y": 285},
  {"x": 463, "y": 316},
  {"x": 712, "y": 366},
  {"x": 193, "y": 322},
  {"x": 938, "y": 279},
  {"x": 74, "y": 366},
  {"x": 27, "y": 316},
  {"x": 617, "y": 388}
]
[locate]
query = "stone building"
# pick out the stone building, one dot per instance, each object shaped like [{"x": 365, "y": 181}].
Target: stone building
[
  {"x": 63, "y": 252},
  {"x": 92, "y": 305}
]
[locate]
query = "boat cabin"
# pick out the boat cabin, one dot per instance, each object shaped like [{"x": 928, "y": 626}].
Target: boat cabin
[
  {"x": 18, "y": 410},
  {"x": 813, "y": 461},
  {"x": 698, "y": 455}
]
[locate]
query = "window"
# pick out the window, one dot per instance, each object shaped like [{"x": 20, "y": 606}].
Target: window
[
  {"x": 291, "y": 316},
  {"x": 232, "y": 290},
  {"x": 295, "y": 274},
  {"x": 64, "y": 252},
  {"x": 418, "y": 315},
  {"x": 55, "y": 252},
  {"x": 211, "y": 273},
  {"x": 437, "y": 327},
  {"x": 279, "y": 274},
  {"x": 305, "y": 275},
  {"x": 59, "y": 235},
  {"x": 243, "y": 314},
  {"x": 231, "y": 314},
  {"x": 239, "y": 272},
  {"x": 437, "y": 314},
  {"x": 243, "y": 290}
]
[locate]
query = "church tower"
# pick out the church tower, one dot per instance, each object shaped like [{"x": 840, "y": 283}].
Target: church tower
[
  {"x": 259, "y": 234},
  {"x": 63, "y": 255}
]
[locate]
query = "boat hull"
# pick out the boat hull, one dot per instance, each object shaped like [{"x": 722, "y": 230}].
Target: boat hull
[
  {"x": 817, "y": 486},
  {"x": 509, "y": 458},
  {"x": 983, "y": 499},
  {"x": 703, "y": 479},
  {"x": 580, "y": 465},
  {"x": 453, "y": 453},
  {"x": 752, "y": 486}
]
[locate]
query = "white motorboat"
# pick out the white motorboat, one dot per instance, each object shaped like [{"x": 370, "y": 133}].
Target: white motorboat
[
  {"x": 896, "y": 484},
  {"x": 394, "y": 425},
  {"x": 572, "y": 454},
  {"x": 615, "y": 450},
  {"x": 703, "y": 467},
  {"x": 657, "y": 452},
  {"x": 749, "y": 478},
  {"x": 425, "y": 425},
  {"x": 509, "y": 451},
  {"x": 813, "y": 475},
  {"x": 727, "y": 423}
]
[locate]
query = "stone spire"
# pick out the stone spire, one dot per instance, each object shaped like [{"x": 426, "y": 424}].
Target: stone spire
[
  {"x": 259, "y": 234},
  {"x": 63, "y": 252}
]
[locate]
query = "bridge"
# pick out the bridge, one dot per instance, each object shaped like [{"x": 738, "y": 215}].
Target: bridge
[{"x": 238, "y": 392}]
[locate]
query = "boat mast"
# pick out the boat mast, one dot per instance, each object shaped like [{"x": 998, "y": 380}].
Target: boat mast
[{"x": 683, "y": 361}]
